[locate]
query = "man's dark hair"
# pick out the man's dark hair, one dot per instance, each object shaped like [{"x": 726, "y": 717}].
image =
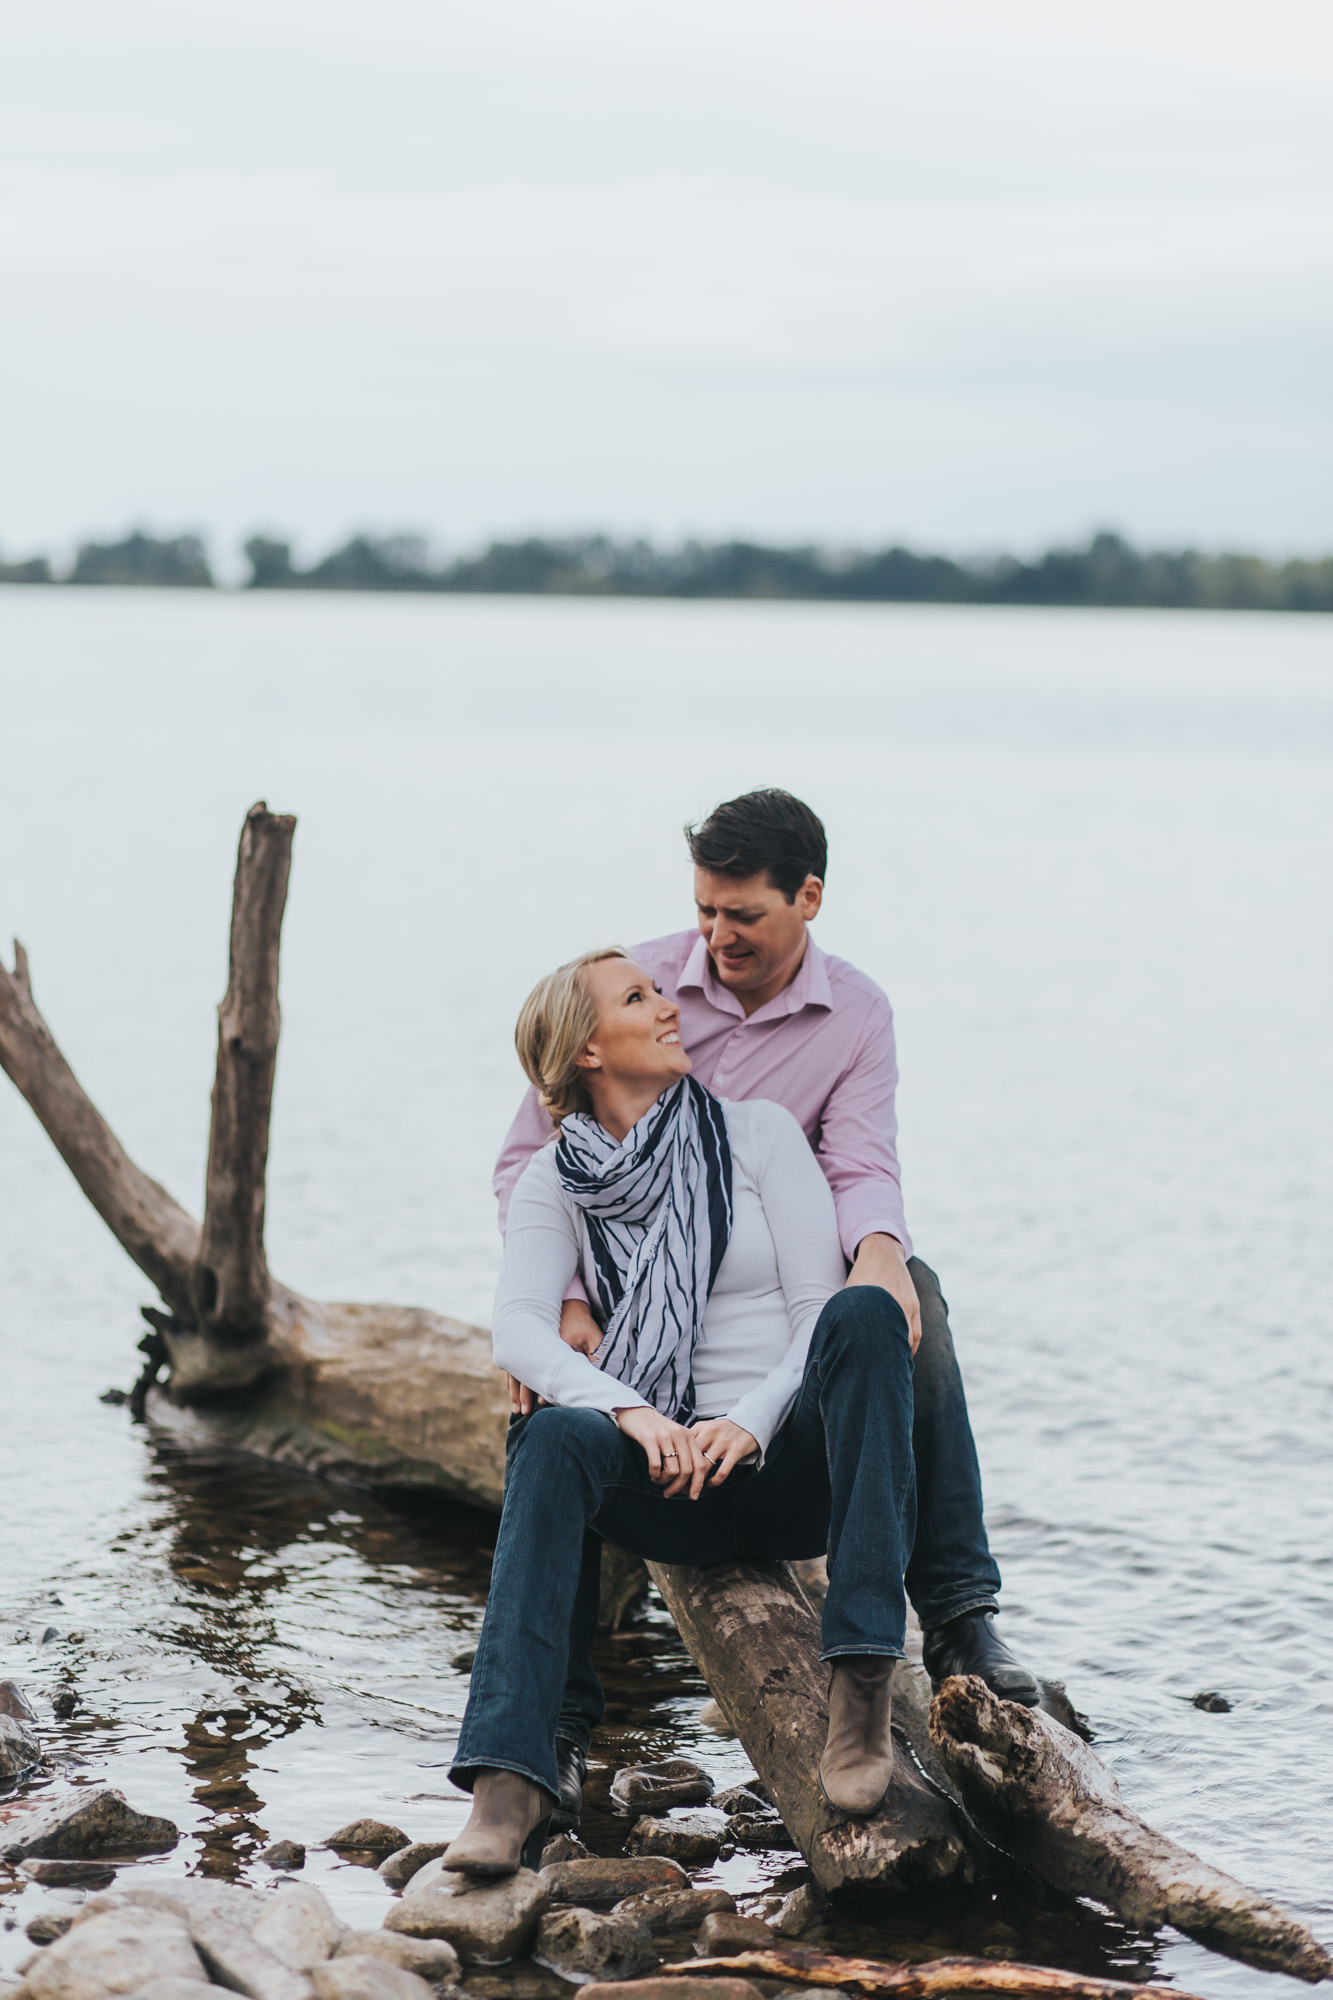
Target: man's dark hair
[{"x": 767, "y": 830}]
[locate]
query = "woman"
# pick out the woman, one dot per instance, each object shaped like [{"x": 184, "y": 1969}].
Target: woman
[{"x": 742, "y": 1401}]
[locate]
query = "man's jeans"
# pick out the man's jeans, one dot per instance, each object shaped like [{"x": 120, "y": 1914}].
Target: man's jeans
[
  {"x": 951, "y": 1569},
  {"x": 838, "y": 1477}
]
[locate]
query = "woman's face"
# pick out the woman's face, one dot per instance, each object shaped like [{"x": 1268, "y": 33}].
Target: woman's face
[{"x": 637, "y": 1037}]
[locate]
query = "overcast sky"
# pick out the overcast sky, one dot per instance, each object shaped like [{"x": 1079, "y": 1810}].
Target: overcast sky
[{"x": 972, "y": 273}]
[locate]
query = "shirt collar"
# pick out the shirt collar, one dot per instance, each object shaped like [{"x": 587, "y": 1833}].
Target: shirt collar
[{"x": 810, "y": 988}]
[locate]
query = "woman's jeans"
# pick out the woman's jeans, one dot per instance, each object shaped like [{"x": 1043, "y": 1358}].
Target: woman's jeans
[{"x": 838, "y": 1477}]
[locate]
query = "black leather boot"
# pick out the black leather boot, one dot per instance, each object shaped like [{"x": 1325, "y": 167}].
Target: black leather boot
[
  {"x": 506, "y": 1828},
  {"x": 571, "y": 1766},
  {"x": 969, "y": 1644}
]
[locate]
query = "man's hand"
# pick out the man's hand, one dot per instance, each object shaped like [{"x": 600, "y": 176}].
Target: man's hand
[
  {"x": 675, "y": 1459},
  {"x": 723, "y": 1444},
  {"x": 880, "y": 1261},
  {"x": 579, "y": 1330}
]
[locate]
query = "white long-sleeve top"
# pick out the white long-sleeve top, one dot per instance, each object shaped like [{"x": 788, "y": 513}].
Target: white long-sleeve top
[{"x": 782, "y": 1264}]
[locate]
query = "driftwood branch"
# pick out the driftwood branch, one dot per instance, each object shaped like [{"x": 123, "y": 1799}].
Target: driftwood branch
[
  {"x": 152, "y": 1228},
  {"x": 231, "y": 1283},
  {"x": 755, "y": 1640},
  {"x": 1042, "y": 1794},
  {"x": 937, "y": 1976}
]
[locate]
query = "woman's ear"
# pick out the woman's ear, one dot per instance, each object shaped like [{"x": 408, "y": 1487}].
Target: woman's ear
[{"x": 587, "y": 1060}]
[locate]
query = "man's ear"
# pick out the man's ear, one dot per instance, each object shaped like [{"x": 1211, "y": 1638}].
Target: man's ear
[{"x": 810, "y": 895}]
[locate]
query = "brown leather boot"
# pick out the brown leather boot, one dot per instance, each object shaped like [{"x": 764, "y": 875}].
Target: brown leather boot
[
  {"x": 509, "y": 1815},
  {"x": 857, "y": 1764}
]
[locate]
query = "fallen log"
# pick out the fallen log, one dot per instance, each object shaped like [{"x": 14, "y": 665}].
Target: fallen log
[
  {"x": 399, "y": 1397},
  {"x": 935, "y": 1976},
  {"x": 1039, "y": 1792}
]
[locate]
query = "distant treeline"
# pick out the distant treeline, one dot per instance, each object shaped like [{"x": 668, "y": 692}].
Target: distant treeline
[{"x": 1109, "y": 571}]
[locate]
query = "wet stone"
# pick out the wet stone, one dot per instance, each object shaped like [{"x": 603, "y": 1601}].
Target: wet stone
[
  {"x": 48, "y": 1925},
  {"x": 406, "y": 1862},
  {"x": 485, "y": 1922},
  {"x": 99, "y": 1820},
  {"x": 368, "y": 1836},
  {"x": 597, "y": 1884},
  {"x": 761, "y": 1831},
  {"x": 564, "y": 1847},
  {"x": 798, "y": 1911},
  {"x": 726, "y": 1931},
  {"x": 15, "y": 1703},
  {"x": 676, "y": 1912},
  {"x": 583, "y": 1945},
  {"x": 69, "y": 1874},
  {"x": 20, "y": 1749},
  {"x": 299, "y": 1927},
  {"x": 1212, "y": 1703},
  {"x": 674, "y": 1987},
  {"x": 117, "y": 1953},
  {"x": 284, "y": 1854},
  {"x": 432, "y": 1959},
  {"x": 740, "y": 1799},
  {"x": 365, "y": 1978},
  {"x": 654, "y": 1788},
  {"x": 692, "y": 1840}
]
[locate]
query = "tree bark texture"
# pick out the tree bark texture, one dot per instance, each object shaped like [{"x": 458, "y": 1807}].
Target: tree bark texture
[
  {"x": 231, "y": 1281},
  {"x": 755, "y": 1639},
  {"x": 1039, "y": 1791}
]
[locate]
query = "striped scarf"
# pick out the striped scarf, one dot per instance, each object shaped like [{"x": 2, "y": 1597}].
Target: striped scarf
[{"x": 657, "y": 1210}]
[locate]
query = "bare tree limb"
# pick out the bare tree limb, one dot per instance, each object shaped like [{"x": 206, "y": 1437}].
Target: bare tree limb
[
  {"x": 231, "y": 1283},
  {"x": 152, "y": 1228}
]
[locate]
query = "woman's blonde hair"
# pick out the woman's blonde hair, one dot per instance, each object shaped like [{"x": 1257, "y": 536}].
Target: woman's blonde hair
[{"x": 556, "y": 1023}]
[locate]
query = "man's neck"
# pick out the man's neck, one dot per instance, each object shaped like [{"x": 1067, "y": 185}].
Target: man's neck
[{"x": 752, "y": 998}]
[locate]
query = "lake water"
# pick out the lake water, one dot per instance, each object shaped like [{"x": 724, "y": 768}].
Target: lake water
[{"x": 1088, "y": 855}]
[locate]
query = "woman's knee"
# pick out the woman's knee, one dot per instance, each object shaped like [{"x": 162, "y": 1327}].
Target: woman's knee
[
  {"x": 551, "y": 1437},
  {"x": 867, "y": 1319}
]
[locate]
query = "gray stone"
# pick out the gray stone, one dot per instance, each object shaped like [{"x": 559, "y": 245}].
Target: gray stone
[
  {"x": 406, "y": 1862},
  {"x": 726, "y": 1931},
  {"x": 116, "y": 1953},
  {"x": 583, "y": 1945},
  {"x": 432, "y": 1959},
  {"x": 740, "y": 1799},
  {"x": 48, "y": 1925},
  {"x": 368, "y": 1836},
  {"x": 564, "y": 1847},
  {"x": 486, "y": 1922},
  {"x": 760, "y": 1831},
  {"x": 69, "y": 1874},
  {"x": 237, "y": 1960},
  {"x": 284, "y": 1854},
  {"x": 365, "y": 1978},
  {"x": 96, "y": 1820},
  {"x": 15, "y": 1703},
  {"x": 675, "y": 1912},
  {"x": 20, "y": 1749},
  {"x": 598, "y": 1883},
  {"x": 171, "y": 1987},
  {"x": 180, "y": 1898},
  {"x": 798, "y": 1911},
  {"x": 652, "y": 1788},
  {"x": 299, "y": 1927},
  {"x": 692, "y": 1840}
]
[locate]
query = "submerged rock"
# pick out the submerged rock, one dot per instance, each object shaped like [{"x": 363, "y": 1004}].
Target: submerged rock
[
  {"x": 365, "y": 1978},
  {"x": 284, "y": 1854},
  {"x": 299, "y": 1927},
  {"x": 99, "y": 1820},
  {"x": 368, "y": 1836},
  {"x": 48, "y": 1925},
  {"x": 674, "y": 1987},
  {"x": 405, "y": 1862},
  {"x": 583, "y": 1945},
  {"x": 675, "y": 1912},
  {"x": 695, "y": 1842},
  {"x": 116, "y": 1953},
  {"x": 432, "y": 1959},
  {"x": 726, "y": 1931},
  {"x": 486, "y": 1922},
  {"x": 69, "y": 1874},
  {"x": 600, "y": 1883},
  {"x": 653, "y": 1788}
]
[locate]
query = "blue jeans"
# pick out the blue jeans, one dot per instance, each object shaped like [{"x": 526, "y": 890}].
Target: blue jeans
[
  {"x": 950, "y": 1570},
  {"x": 838, "y": 1477}
]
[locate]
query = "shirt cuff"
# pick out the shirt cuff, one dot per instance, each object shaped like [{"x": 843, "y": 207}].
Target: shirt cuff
[
  {"x": 865, "y": 1213},
  {"x": 575, "y": 1289}
]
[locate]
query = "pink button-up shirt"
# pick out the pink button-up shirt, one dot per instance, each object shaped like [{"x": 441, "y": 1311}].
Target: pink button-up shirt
[{"x": 823, "y": 1047}]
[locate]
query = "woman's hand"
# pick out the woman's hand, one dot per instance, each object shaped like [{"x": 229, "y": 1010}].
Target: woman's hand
[
  {"x": 674, "y": 1458},
  {"x": 723, "y": 1446}
]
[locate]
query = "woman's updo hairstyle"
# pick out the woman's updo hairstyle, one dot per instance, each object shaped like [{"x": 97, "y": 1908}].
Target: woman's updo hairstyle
[{"x": 557, "y": 1021}]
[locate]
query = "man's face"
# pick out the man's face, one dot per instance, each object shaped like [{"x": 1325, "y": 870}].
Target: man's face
[{"x": 755, "y": 937}]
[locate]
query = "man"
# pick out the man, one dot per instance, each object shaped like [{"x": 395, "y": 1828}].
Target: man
[{"x": 766, "y": 1014}]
